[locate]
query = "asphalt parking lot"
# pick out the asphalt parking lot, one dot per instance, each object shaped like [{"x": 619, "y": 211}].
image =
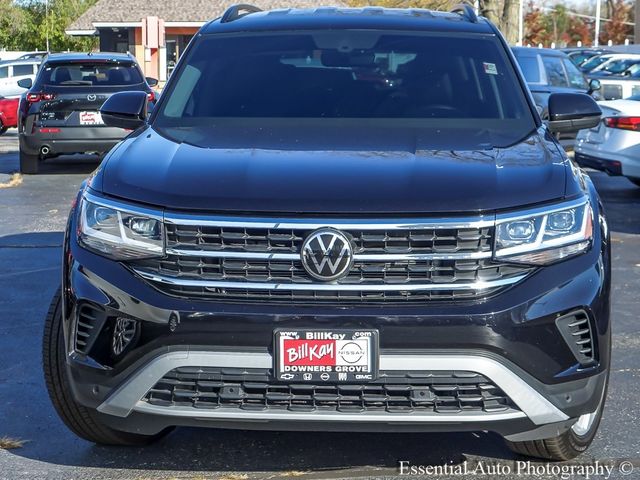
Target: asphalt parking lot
[{"x": 32, "y": 217}]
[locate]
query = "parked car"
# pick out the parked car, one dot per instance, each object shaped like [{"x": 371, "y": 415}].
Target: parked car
[
  {"x": 620, "y": 87},
  {"x": 613, "y": 146},
  {"x": 8, "y": 114},
  {"x": 59, "y": 114},
  {"x": 33, "y": 56},
  {"x": 615, "y": 67},
  {"x": 330, "y": 245},
  {"x": 580, "y": 55},
  {"x": 595, "y": 62},
  {"x": 11, "y": 73},
  {"x": 550, "y": 71}
]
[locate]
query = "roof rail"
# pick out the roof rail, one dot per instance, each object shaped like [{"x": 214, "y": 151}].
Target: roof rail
[
  {"x": 466, "y": 11},
  {"x": 235, "y": 12}
]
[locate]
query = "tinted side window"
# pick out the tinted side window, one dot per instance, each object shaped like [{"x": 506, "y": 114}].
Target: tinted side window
[
  {"x": 20, "y": 70},
  {"x": 576, "y": 79},
  {"x": 4, "y": 72},
  {"x": 530, "y": 68},
  {"x": 555, "y": 71}
]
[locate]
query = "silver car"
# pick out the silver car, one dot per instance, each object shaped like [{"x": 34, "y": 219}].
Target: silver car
[{"x": 614, "y": 145}]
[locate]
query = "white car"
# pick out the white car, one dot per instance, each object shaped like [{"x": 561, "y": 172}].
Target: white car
[
  {"x": 616, "y": 63},
  {"x": 614, "y": 145},
  {"x": 12, "y": 72}
]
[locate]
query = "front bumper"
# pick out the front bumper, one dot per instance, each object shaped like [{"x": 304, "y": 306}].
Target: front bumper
[
  {"x": 510, "y": 338},
  {"x": 618, "y": 154},
  {"x": 535, "y": 416}
]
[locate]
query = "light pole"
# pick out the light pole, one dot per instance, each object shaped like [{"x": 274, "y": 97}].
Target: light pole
[
  {"x": 521, "y": 23},
  {"x": 597, "y": 39},
  {"x": 46, "y": 22}
]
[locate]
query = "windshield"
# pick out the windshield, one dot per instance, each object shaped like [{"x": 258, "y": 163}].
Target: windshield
[
  {"x": 619, "y": 66},
  {"x": 90, "y": 74},
  {"x": 429, "y": 81},
  {"x": 594, "y": 62},
  {"x": 580, "y": 58}
]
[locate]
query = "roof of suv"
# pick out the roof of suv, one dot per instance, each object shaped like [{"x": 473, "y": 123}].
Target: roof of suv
[
  {"x": 365, "y": 18},
  {"x": 75, "y": 56}
]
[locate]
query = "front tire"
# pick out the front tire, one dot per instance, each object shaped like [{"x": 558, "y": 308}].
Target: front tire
[
  {"x": 29, "y": 163},
  {"x": 82, "y": 421},
  {"x": 570, "y": 444}
]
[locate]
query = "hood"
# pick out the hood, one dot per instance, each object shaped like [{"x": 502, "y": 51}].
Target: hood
[{"x": 359, "y": 177}]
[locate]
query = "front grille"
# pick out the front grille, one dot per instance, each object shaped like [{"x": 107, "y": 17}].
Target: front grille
[
  {"x": 253, "y": 389},
  {"x": 260, "y": 260},
  {"x": 291, "y": 271},
  {"x": 244, "y": 239}
]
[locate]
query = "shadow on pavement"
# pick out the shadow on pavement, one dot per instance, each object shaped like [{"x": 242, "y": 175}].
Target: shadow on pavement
[
  {"x": 32, "y": 240},
  {"x": 191, "y": 449},
  {"x": 64, "y": 165},
  {"x": 621, "y": 200},
  {"x": 69, "y": 164}
]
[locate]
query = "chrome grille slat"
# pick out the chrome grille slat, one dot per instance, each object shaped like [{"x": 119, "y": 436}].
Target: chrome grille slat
[
  {"x": 415, "y": 242},
  {"x": 257, "y": 259},
  {"x": 219, "y": 269}
]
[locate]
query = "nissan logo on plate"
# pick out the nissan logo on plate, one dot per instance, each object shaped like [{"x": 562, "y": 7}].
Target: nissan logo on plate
[{"x": 327, "y": 254}]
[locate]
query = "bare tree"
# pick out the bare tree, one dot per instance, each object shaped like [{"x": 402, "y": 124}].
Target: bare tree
[{"x": 504, "y": 14}]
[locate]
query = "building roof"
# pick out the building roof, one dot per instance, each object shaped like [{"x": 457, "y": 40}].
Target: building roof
[{"x": 131, "y": 12}]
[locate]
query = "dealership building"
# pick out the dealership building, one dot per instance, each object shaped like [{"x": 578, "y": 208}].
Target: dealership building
[{"x": 158, "y": 31}]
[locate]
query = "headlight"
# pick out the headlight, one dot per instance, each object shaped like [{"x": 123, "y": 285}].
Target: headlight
[
  {"x": 119, "y": 234},
  {"x": 544, "y": 237}
]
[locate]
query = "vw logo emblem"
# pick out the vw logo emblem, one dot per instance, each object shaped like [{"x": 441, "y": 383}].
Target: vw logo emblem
[
  {"x": 91, "y": 97},
  {"x": 327, "y": 254}
]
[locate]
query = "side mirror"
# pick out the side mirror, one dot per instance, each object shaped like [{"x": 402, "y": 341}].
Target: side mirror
[
  {"x": 594, "y": 86},
  {"x": 152, "y": 82},
  {"x": 125, "y": 110},
  {"x": 570, "y": 112},
  {"x": 25, "y": 83}
]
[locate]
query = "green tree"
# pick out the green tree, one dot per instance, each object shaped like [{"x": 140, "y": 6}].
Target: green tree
[
  {"x": 13, "y": 22},
  {"x": 27, "y": 24}
]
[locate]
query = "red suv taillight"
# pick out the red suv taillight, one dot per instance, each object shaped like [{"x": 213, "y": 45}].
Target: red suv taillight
[
  {"x": 624, "y": 123},
  {"x": 151, "y": 96}
]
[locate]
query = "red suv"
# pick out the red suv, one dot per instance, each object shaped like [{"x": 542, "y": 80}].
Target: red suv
[{"x": 8, "y": 113}]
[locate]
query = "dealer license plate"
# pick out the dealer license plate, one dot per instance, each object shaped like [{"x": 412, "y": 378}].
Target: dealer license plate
[
  {"x": 91, "y": 118},
  {"x": 326, "y": 355}
]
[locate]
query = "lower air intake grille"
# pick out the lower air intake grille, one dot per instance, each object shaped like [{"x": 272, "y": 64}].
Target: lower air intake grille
[
  {"x": 576, "y": 331},
  {"x": 90, "y": 322},
  {"x": 252, "y": 389}
]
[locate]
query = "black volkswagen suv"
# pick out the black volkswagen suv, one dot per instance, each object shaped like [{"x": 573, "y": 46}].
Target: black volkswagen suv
[
  {"x": 59, "y": 113},
  {"x": 337, "y": 219}
]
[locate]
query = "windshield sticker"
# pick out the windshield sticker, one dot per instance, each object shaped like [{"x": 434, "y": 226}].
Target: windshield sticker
[{"x": 490, "y": 68}]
